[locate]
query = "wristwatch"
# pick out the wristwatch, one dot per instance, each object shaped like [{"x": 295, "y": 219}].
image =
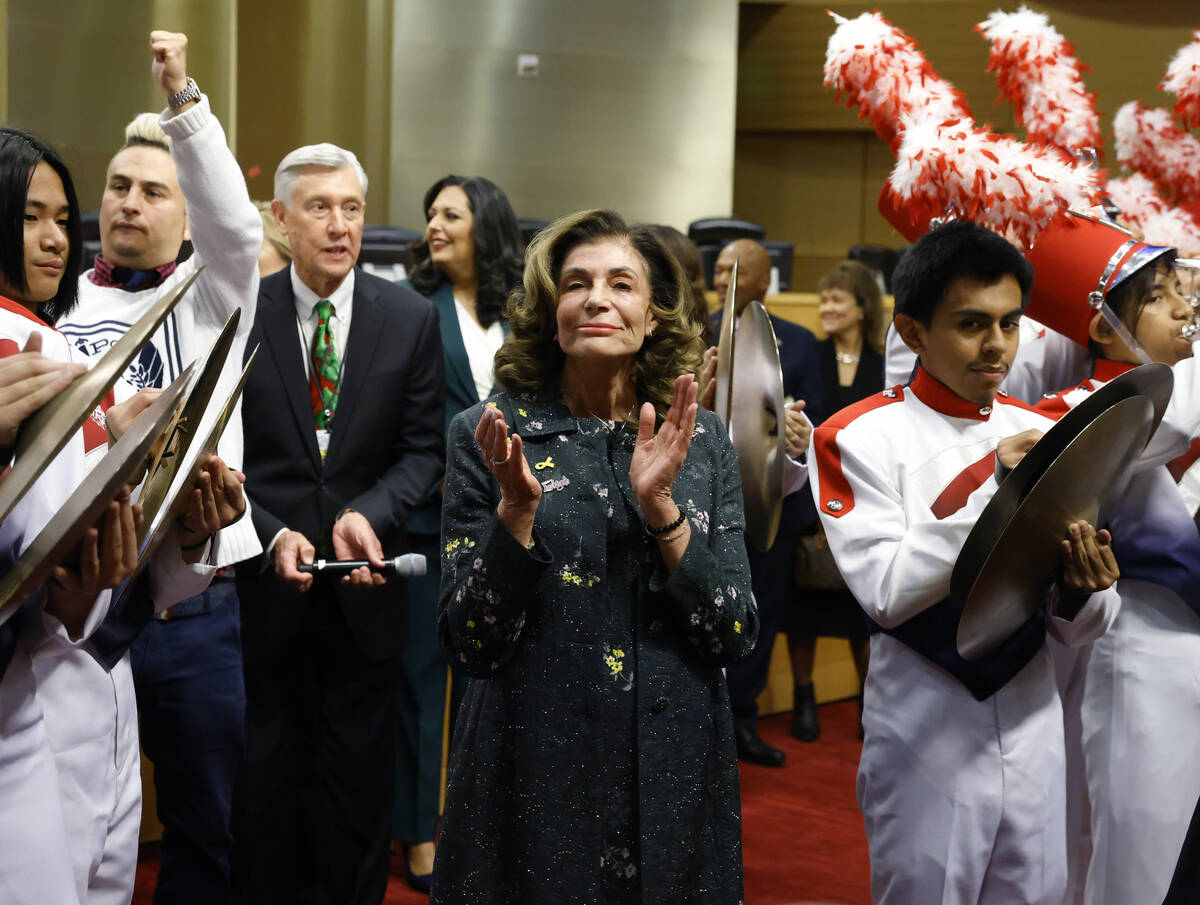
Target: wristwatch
[{"x": 190, "y": 92}]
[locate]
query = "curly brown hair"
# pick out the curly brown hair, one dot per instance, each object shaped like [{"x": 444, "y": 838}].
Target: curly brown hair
[{"x": 530, "y": 361}]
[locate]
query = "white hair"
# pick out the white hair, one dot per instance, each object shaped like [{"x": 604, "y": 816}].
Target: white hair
[
  {"x": 145, "y": 129},
  {"x": 322, "y": 155}
]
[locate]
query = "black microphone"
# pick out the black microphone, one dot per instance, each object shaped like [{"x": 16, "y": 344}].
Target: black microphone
[{"x": 406, "y": 565}]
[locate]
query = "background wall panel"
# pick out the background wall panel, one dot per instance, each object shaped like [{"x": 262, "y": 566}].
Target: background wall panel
[
  {"x": 78, "y": 71},
  {"x": 633, "y": 107}
]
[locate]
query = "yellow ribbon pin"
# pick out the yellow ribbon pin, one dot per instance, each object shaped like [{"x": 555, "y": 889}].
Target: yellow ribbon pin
[{"x": 542, "y": 466}]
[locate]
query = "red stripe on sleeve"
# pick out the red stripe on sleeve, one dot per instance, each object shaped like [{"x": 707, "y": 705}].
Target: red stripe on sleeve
[
  {"x": 970, "y": 479},
  {"x": 95, "y": 429},
  {"x": 1178, "y": 467},
  {"x": 837, "y": 496}
]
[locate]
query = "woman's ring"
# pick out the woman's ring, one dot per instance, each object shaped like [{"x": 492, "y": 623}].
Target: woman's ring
[{"x": 502, "y": 461}]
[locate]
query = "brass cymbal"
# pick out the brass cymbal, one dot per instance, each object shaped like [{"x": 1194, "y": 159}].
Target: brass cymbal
[
  {"x": 183, "y": 428},
  {"x": 211, "y": 428},
  {"x": 45, "y": 433},
  {"x": 723, "y": 396},
  {"x": 1011, "y": 557},
  {"x": 88, "y": 501},
  {"x": 757, "y": 423}
]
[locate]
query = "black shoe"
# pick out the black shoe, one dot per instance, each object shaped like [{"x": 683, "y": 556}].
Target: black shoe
[
  {"x": 805, "y": 725},
  {"x": 753, "y": 750}
]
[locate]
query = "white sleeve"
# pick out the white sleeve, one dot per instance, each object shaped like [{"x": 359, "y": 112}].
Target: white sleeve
[
  {"x": 795, "y": 475},
  {"x": 1046, "y": 362},
  {"x": 895, "y": 555},
  {"x": 1181, "y": 421},
  {"x": 1093, "y": 619},
  {"x": 48, "y": 631},
  {"x": 225, "y": 226},
  {"x": 172, "y": 579},
  {"x": 795, "y": 472}
]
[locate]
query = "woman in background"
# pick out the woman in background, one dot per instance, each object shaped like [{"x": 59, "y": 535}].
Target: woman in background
[
  {"x": 470, "y": 259},
  {"x": 688, "y": 256},
  {"x": 851, "y": 363},
  {"x": 276, "y": 251}
]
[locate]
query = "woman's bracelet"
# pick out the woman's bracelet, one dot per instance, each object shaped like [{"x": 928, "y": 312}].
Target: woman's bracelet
[
  {"x": 665, "y": 529},
  {"x": 668, "y": 538}
]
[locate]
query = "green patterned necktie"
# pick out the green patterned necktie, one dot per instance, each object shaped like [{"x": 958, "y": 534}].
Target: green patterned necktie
[{"x": 326, "y": 370}]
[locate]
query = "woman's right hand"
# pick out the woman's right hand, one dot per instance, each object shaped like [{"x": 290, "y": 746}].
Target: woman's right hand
[
  {"x": 520, "y": 492},
  {"x": 28, "y": 380}
]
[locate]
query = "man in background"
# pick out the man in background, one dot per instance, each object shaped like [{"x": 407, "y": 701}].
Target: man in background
[
  {"x": 175, "y": 179},
  {"x": 771, "y": 572},
  {"x": 343, "y": 419}
]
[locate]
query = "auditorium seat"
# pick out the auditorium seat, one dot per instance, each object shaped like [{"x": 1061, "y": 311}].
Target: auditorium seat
[
  {"x": 530, "y": 227},
  {"x": 783, "y": 256},
  {"x": 880, "y": 258},
  {"x": 384, "y": 250}
]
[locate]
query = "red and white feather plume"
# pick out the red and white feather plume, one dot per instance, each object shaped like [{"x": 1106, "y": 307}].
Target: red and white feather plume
[
  {"x": 882, "y": 71},
  {"x": 1183, "y": 80},
  {"x": 944, "y": 161},
  {"x": 1012, "y": 187},
  {"x": 1038, "y": 73},
  {"x": 1148, "y": 213},
  {"x": 1150, "y": 142}
]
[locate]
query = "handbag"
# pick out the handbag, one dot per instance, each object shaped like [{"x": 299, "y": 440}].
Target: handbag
[{"x": 815, "y": 566}]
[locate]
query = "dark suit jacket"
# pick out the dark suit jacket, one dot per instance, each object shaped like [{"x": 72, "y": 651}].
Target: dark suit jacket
[
  {"x": 386, "y": 449},
  {"x": 801, "y": 367},
  {"x": 797, "y": 359}
]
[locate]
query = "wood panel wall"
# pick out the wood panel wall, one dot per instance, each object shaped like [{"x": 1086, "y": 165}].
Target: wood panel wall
[{"x": 810, "y": 171}]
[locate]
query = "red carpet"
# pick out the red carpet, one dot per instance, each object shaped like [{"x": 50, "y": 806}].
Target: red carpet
[
  {"x": 802, "y": 834},
  {"x": 803, "y": 837}
]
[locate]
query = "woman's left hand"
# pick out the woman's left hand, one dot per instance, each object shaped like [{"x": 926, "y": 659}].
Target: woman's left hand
[{"x": 657, "y": 457}]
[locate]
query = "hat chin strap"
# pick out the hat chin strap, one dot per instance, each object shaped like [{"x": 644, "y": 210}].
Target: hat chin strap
[{"x": 1097, "y": 301}]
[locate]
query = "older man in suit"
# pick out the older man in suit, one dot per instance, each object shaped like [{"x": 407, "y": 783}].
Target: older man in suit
[
  {"x": 343, "y": 433},
  {"x": 771, "y": 572}
]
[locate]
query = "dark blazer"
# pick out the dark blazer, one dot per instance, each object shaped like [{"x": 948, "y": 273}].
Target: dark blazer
[
  {"x": 386, "y": 449},
  {"x": 460, "y": 392},
  {"x": 801, "y": 367},
  {"x": 868, "y": 378},
  {"x": 797, "y": 359}
]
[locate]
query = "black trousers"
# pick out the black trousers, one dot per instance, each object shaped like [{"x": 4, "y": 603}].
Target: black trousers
[
  {"x": 192, "y": 706},
  {"x": 313, "y": 805}
]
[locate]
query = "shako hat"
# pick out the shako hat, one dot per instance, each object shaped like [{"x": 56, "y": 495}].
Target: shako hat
[{"x": 1078, "y": 260}]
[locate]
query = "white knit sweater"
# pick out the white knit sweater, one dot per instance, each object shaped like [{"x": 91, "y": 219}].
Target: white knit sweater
[{"x": 226, "y": 231}]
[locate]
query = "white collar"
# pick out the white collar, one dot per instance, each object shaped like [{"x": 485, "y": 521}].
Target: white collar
[{"x": 306, "y": 299}]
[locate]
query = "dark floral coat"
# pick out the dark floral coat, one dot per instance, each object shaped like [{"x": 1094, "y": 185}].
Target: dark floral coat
[{"x": 593, "y": 758}]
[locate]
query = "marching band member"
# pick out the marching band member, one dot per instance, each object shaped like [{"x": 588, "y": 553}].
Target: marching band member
[
  {"x": 36, "y": 189},
  {"x": 961, "y": 777},
  {"x": 88, "y": 713},
  {"x": 1135, "y": 698}
]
